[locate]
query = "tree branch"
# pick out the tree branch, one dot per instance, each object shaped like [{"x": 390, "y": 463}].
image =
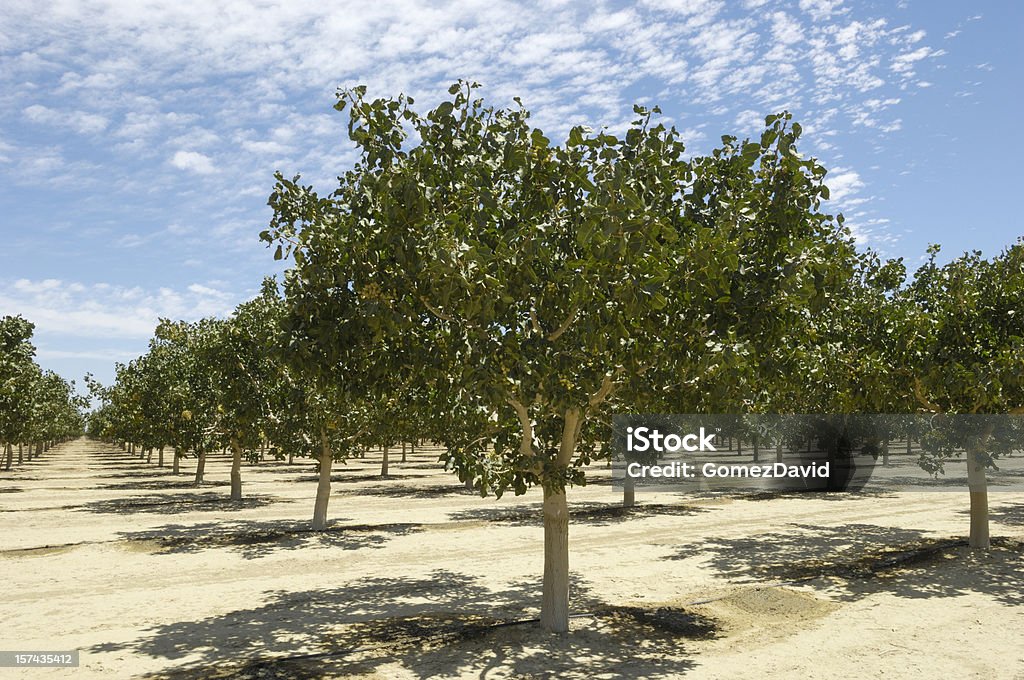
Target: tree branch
[
  {"x": 607, "y": 385},
  {"x": 919, "y": 394},
  {"x": 434, "y": 310},
  {"x": 570, "y": 429},
  {"x": 573, "y": 313},
  {"x": 526, "y": 445}
]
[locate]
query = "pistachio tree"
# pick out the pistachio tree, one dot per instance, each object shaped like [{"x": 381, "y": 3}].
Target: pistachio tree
[
  {"x": 542, "y": 286},
  {"x": 968, "y": 357},
  {"x": 244, "y": 375}
]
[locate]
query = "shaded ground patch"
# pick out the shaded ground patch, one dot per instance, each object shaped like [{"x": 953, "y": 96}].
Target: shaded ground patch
[
  {"x": 861, "y": 559},
  {"x": 398, "y": 491},
  {"x": 597, "y": 513},
  {"x": 177, "y": 503},
  {"x": 442, "y": 626},
  {"x": 159, "y": 484},
  {"x": 260, "y": 539}
]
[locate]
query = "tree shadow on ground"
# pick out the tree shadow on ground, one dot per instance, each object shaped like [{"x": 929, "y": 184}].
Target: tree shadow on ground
[
  {"x": 177, "y": 503},
  {"x": 442, "y": 625},
  {"x": 589, "y": 513},
  {"x": 863, "y": 559},
  {"x": 399, "y": 491},
  {"x": 348, "y": 479},
  {"x": 256, "y": 539},
  {"x": 160, "y": 484},
  {"x": 162, "y": 473},
  {"x": 832, "y": 496},
  {"x": 1010, "y": 514}
]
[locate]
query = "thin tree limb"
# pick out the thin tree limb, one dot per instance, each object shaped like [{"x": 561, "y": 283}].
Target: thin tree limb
[
  {"x": 919, "y": 394},
  {"x": 573, "y": 313},
  {"x": 434, "y": 310}
]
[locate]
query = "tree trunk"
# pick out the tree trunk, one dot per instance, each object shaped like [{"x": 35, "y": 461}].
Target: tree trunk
[
  {"x": 39, "y": 449},
  {"x": 200, "y": 466},
  {"x": 236, "y": 470},
  {"x": 757, "y": 448},
  {"x": 628, "y": 492},
  {"x": 20, "y": 459},
  {"x": 909, "y": 441},
  {"x": 468, "y": 483},
  {"x": 9, "y": 451},
  {"x": 176, "y": 469},
  {"x": 977, "y": 483},
  {"x": 403, "y": 452},
  {"x": 323, "y": 487},
  {"x": 291, "y": 457},
  {"x": 149, "y": 455},
  {"x": 885, "y": 452},
  {"x": 160, "y": 457},
  {"x": 554, "y": 611},
  {"x": 778, "y": 451},
  {"x": 554, "y": 615},
  {"x": 384, "y": 463}
]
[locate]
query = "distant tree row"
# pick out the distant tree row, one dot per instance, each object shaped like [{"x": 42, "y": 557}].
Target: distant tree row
[
  {"x": 37, "y": 408},
  {"x": 470, "y": 282}
]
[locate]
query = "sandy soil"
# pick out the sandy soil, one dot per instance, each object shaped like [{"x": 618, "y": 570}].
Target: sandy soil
[{"x": 151, "y": 577}]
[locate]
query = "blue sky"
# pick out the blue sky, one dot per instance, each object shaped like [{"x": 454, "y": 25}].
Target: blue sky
[{"x": 138, "y": 138}]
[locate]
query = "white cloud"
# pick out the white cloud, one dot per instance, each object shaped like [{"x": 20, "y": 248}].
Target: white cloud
[
  {"x": 843, "y": 183},
  {"x": 80, "y": 121},
  {"x": 102, "y": 310},
  {"x": 822, "y": 9},
  {"x": 193, "y": 161}
]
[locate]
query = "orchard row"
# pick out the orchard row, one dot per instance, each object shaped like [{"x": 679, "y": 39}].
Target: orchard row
[{"x": 37, "y": 408}]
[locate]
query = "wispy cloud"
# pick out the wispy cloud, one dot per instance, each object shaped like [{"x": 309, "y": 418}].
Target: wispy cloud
[{"x": 102, "y": 310}]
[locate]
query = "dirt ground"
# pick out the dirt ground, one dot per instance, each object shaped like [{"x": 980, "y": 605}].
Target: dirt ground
[{"x": 149, "y": 576}]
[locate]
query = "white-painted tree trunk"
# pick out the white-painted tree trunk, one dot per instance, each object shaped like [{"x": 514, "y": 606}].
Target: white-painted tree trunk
[
  {"x": 554, "y": 611},
  {"x": 978, "y": 486},
  {"x": 628, "y": 492},
  {"x": 236, "y": 470},
  {"x": 323, "y": 487},
  {"x": 554, "y": 615}
]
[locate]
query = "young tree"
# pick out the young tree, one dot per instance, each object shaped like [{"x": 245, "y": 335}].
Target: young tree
[
  {"x": 969, "y": 353},
  {"x": 238, "y": 352},
  {"x": 542, "y": 285}
]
